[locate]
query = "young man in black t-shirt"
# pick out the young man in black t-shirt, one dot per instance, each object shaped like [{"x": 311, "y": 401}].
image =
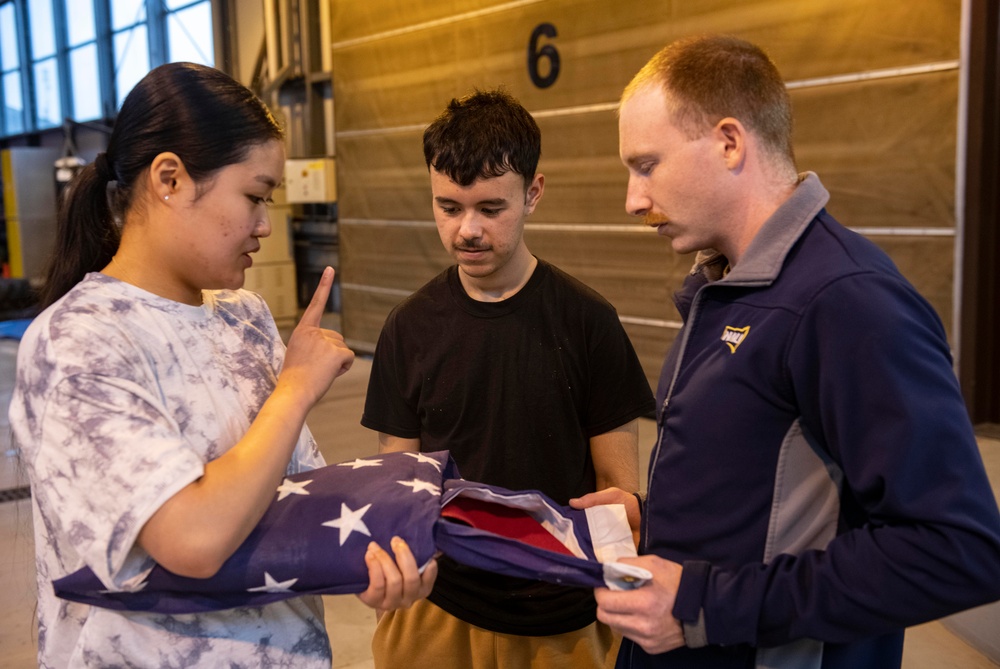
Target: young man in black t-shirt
[{"x": 524, "y": 374}]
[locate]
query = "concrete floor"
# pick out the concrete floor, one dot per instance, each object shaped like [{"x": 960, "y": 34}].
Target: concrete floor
[{"x": 334, "y": 422}]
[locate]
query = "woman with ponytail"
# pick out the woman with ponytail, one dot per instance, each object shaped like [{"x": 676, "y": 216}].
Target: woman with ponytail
[{"x": 156, "y": 406}]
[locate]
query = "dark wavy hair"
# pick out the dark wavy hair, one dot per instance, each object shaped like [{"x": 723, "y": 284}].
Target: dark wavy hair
[
  {"x": 203, "y": 115},
  {"x": 483, "y": 135}
]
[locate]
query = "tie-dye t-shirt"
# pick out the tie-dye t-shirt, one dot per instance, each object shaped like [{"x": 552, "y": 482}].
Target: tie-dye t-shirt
[{"x": 121, "y": 398}]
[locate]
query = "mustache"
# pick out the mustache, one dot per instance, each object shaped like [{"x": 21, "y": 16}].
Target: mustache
[
  {"x": 652, "y": 219},
  {"x": 471, "y": 246}
]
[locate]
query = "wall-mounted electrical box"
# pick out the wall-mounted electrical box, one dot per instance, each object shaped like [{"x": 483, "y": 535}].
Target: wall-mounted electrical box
[{"x": 310, "y": 180}]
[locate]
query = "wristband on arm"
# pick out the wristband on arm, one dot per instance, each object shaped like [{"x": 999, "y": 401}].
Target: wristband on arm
[{"x": 642, "y": 502}]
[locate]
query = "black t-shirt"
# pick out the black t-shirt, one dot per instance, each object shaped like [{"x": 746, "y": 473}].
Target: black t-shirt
[{"x": 514, "y": 389}]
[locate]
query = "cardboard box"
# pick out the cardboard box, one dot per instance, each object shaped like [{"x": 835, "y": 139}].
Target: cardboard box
[{"x": 275, "y": 282}]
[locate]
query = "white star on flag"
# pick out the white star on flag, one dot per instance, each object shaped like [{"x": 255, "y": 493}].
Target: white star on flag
[
  {"x": 419, "y": 485},
  {"x": 423, "y": 459},
  {"x": 359, "y": 463},
  {"x": 271, "y": 585},
  {"x": 349, "y": 521},
  {"x": 292, "y": 488}
]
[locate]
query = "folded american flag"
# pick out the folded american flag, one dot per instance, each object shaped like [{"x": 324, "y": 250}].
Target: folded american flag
[{"x": 313, "y": 538}]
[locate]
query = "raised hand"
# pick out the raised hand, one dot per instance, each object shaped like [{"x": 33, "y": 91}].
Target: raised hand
[{"x": 315, "y": 356}]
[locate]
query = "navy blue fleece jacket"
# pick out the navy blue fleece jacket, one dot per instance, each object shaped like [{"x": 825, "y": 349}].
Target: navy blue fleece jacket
[{"x": 815, "y": 472}]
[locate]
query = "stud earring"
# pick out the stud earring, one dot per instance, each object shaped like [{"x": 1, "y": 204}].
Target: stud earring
[{"x": 166, "y": 197}]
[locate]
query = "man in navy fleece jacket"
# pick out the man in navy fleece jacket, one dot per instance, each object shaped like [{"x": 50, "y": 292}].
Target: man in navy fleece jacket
[{"x": 816, "y": 486}]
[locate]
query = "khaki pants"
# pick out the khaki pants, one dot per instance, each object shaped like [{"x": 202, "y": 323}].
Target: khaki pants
[{"x": 426, "y": 637}]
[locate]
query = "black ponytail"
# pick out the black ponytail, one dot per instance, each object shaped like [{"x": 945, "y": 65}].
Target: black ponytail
[{"x": 86, "y": 235}]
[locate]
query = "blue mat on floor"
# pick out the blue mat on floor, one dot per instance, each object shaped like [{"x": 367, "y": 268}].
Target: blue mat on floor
[{"x": 14, "y": 329}]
